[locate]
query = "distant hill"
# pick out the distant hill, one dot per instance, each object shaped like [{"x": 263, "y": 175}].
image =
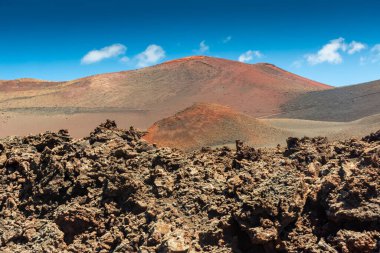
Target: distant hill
[
  {"x": 160, "y": 91},
  {"x": 211, "y": 125},
  {"x": 12, "y": 87},
  {"x": 341, "y": 104}
]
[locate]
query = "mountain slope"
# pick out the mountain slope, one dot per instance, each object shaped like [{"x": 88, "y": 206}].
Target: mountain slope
[
  {"x": 162, "y": 90},
  {"x": 25, "y": 84},
  {"x": 210, "y": 125},
  {"x": 341, "y": 104}
]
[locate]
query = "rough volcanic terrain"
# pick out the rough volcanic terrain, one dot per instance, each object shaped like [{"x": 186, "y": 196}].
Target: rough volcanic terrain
[
  {"x": 341, "y": 104},
  {"x": 147, "y": 95},
  {"x": 206, "y": 124},
  {"x": 113, "y": 192}
]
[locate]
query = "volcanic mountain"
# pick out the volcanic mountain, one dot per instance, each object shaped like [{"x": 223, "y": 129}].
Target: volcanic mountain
[
  {"x": 24, "y": 84},
  {"x": 146, "y": 95},
  {"x": 341, "y": 104},
  {"x": 211, "y": 125}
]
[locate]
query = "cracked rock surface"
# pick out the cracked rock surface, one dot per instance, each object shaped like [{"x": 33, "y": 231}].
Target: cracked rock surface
[{"x": 114, "y": 192}]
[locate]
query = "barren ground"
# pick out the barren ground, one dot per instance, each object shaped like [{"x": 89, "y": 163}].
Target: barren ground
[
  {"x": 113, "y": 192},
  {"x": 79, "y": 125}
]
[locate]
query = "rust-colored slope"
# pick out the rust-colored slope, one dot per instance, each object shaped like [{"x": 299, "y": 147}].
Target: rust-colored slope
[
  {"x": 25, "y": 84},
  {"x": 162, "y": 90},
  {"x": 209, "y": 125}
]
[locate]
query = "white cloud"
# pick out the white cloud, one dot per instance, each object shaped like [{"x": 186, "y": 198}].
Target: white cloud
[
  {"x": 227, "y": 39},
  {"x": 355, "y": 47},
  {"x": 372, "y": 57},
  {"x": 104, "y": 53},
  {"x": 375, "y": 53},
  {"x": 249, "y": 55},
  {"x": 297, "y": 64},
  {"x": 332, "y": 51},
  {"x": 152, "y": 54},
  {"x": 203, "y": 48},
  {"x": 363, "y": 61},
  {"x": 328, "y": 53},
  {"x": 376, "y": 48},
  {"x": 124, "y": 59}
]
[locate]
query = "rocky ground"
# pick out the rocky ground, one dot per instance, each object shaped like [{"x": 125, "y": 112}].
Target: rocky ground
[{"x": 113, "y": 192}]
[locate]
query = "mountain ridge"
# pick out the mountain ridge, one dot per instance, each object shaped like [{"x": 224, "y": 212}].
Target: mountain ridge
[{"x": 255, "y": 89}]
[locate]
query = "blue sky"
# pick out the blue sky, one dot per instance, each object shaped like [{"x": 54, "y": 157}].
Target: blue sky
[{"x": 335, "y": 42}]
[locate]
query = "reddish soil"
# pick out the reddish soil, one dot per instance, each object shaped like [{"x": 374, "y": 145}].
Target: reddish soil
[
  {"x": 210, "y": 125},
  {"x": 25, "y": 84}
]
